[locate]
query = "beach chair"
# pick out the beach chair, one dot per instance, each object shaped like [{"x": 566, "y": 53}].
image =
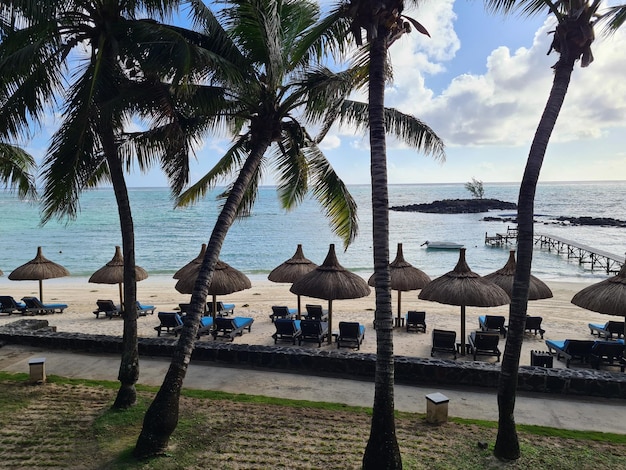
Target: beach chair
[
  {"x": 9, "y": 305},
  {"x": 222, "y": 309},
  {"x": 351, "y": 333},
  {"x": 108, "y": 308},
  {"x": 533, "y": 325},
  {"x": 171, "y": 322},
  {"x": 316, "y": 312},
  {"x": 444, "y": 341},
  {"x": 415, "y": 321},
  {"x": 607, "y": 352},
  {"x": 608, "y": 329},
  {"x": 229, "y": 327},
  {"x": 314, "y": 331},
  {"x": 143, "y": 310},
  {"x": 34, "y": 306},
  {"x": 484, "y": 343},
  {"x": 287, "y": 330},
  {"x": 184, "y": 308},
  {"x": 280, "y": 311},
  {"x": 492, "y": 323},
  {"x": 570, "y": 349},
  {"x": 206, "y": 326}
]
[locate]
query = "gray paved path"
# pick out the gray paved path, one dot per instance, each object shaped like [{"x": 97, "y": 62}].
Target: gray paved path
[{"x": 597, "y": 414}]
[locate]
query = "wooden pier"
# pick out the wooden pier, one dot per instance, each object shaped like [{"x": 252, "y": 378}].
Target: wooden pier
[{"x": 586, "y": 255}]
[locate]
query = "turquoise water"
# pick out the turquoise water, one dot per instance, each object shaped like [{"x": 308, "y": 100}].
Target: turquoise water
[{"x": 167, "y": 238}]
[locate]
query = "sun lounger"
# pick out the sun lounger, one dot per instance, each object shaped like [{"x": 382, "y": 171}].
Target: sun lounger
[
  {"x": 108, "y": 308},
  {"x": 279, "y": 311},
  {"x": 570, "y": 349},
  {"x": 444, "y": 341},
  {"x": 607, "y": 352},
  {"x": 286, "y": 330},
  {"x": 143, "y": 310},
  {"x": 9, "y": 305},
  {"x": 171, "y": 322},
  {"x": 484, "y": 343},
  {"x": 314, "y": 331},
  {"x": 608, "y": 329},
  {"x": 350, "y": 334},
  {"x": 34, "y": 306},
  {"x": 533, "y": 324},
  {"x": 222, "y": 309},
  {"x": 316, "y": 312},
  {"x": 206, "y": 326},
  {"x": 492, "y": 323},
  {"x": 226, "y": 327},
  {"x": 416, "y": 321}
]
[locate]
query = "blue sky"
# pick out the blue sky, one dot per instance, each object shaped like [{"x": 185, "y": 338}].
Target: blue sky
[{"x": 481, "y": 82}]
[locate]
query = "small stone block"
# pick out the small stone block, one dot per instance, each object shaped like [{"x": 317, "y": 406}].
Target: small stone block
[
  {"x": 37, "y": 368},
  {"x": 437, "y": 408}
]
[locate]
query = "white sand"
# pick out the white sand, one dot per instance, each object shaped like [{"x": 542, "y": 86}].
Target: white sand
[{"x": 561, "y": 319}]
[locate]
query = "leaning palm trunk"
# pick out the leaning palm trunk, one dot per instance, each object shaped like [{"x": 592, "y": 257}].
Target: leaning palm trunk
[
  {"x": 129, "y": 365},
  {"x": 161, "y": 418},
  {"x": 382, "y": 451},
  {"x": 507, "y": 444}
]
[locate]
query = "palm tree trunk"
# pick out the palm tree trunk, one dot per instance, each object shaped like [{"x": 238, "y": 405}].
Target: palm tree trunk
[
  {"x": 382, "y": 451},
  {"x": 129, "y": 366},
  {"x": 507, "y": 444},
  {"x": 161, "y": 418}
]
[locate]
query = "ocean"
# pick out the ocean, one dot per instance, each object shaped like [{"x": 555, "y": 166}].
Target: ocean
[{"x": 167, "y": 238}]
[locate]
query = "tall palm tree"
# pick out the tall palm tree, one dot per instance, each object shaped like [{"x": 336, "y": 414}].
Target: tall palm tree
[
  {"x": 383, "y": 23},
  {"x": 102, "y": 63},
  {"x": 283, "y": 89},
  {"x": 572, "y": 41}
]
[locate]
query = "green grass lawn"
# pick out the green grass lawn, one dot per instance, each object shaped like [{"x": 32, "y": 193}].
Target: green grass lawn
[{"x": 69, "y": 424}]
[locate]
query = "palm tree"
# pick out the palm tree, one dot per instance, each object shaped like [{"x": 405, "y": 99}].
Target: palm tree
[
  {"x": 16, "y": 167},
  {"x": 105, "y": 65},
  {"x": 572, "y": 40},
  {"x": 282, "y": 84}
]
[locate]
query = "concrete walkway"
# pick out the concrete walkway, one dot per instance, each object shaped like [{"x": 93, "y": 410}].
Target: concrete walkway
[{"x": 582, "y": 413}]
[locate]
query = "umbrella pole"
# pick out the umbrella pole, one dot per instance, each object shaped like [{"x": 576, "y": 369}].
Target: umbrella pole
[
  {"x": 214, "y": 307},
  {"x": 121, "y": 298},
  {"x": 462, "y": 330},
  {"x": 330, "y": 321},
  {"x": 41, "y": 290},
  {"x": 399, "y": 308},
  {"x": 299, "y": 310}
]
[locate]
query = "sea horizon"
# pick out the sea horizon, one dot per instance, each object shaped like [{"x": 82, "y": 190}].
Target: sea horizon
[{"x": 167, "y": 238}]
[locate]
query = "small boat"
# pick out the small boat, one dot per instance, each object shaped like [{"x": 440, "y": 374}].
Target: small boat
[{"x": 443, "y": 245}]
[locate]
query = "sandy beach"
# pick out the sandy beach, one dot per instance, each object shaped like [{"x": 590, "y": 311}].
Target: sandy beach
[{"x": 561, "y": 319}]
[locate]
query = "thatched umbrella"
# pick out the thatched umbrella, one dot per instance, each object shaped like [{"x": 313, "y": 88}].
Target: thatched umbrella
[
  {"x": 331, "y": 281},
  {"x": 226, "y": 280},
  {"x": 463, "y": 287},
  {"x": 504, "y": 278},
  {"x": 182, "y": 272},
  {"x": 292, "y": 270},
  {"x": 404, "y": 277},
  {"x": 38, "y": 269},
  {"x": 113, "y": 273},
  {"x": 608, "y": 296}
]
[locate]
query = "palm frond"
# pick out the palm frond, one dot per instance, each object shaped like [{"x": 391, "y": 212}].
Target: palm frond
[
  {"x": 613, "y": 19},
  {"x": 16, "y": 166},
  {"x": 291, "y": 165}
]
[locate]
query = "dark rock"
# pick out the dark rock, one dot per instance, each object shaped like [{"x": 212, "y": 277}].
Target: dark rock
[
  {"x": 597, "y": 221},
  {"x": 457, "y": 206}
]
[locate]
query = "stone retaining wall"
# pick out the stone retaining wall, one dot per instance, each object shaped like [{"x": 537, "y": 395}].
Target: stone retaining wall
[{"x": 408, "y": 370}]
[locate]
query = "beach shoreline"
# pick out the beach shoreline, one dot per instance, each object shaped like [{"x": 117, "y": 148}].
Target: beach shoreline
[{"x": 561, "y": 319}]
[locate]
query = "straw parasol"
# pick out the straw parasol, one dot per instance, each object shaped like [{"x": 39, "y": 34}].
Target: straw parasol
[
  {"x": 38, "y": 269},
  {"x": 404, "y": 277},
  {"x": 331, "y": 281},
  {"x": 463, "y": 287},
  {"x": 226, "y": 280},
  {"x": 113, "y": 273},
  {"x": 182, "y": 272},
  {"x": 504, "y": 278},
  {"x": 608, "y": 296},
  {"x": 292, "y": 270}
]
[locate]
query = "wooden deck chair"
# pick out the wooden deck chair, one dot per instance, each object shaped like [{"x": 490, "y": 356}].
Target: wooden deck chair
[
  {"x": 443, "y": 341},
  {"x": 287, "y": 330},
  {"x": 415, "y": 321},
  {"x": 314, "y": 331},
  {"x": 484, "y": 343},
  {"x": 351, "y": 333}
]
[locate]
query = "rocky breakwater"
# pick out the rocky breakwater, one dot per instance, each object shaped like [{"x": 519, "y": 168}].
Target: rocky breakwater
[{"x": 457, "y": 206}]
